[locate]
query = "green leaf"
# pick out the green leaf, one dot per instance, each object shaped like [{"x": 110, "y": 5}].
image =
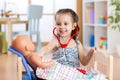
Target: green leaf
[
  {"x": 111, "y": 19},
  {"x": 115, "y": 16}
]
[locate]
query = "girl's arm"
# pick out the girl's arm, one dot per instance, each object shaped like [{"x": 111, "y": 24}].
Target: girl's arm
[
  {"x": 50, "y": 46},
  {"x": 84, "y": 59}
]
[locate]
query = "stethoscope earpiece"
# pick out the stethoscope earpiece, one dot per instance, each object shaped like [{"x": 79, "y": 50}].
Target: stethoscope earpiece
[{"x": 65, "y": 45}]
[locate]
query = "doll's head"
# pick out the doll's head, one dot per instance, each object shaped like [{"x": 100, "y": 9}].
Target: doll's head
[{"x": 23, "y": 44}]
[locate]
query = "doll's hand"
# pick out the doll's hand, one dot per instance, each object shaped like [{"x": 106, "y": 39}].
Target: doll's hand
[
  {"x": 38, "y": 61},
  {"x": 48, "y": 64}
]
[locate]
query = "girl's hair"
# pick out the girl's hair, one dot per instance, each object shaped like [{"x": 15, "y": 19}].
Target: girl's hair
[{"x": 74, "y": 17}]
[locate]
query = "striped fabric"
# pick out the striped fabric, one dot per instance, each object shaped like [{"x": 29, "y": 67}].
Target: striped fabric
[
  {"x": 59, "y": 72},
  {"x": 62, "y": 72}
]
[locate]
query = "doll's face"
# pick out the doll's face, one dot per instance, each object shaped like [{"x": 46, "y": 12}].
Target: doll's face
[{"x": 23, "y": 44}]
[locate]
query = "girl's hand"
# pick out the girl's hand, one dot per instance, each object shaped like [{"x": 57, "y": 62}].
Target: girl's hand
[{"x": 94, "y": 49}]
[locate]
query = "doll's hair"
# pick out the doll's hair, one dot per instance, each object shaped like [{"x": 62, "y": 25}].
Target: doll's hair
[{"x": 74, "y": 17}]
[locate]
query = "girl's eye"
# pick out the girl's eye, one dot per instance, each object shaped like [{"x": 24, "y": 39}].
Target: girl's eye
[
  {"x": 58, "y": 24},
  {"x": 65, "y": 24}
]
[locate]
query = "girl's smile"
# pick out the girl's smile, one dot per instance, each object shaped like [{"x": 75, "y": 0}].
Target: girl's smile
[{"x": 62, "y": 31}]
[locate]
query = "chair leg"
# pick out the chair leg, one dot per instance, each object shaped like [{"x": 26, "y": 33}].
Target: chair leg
[
  {"x": 38, "y": 45},
  {"x": 19, "y": 62},
  {"x": 1, "y": 43},
  {"x": 4, "y": 43}
]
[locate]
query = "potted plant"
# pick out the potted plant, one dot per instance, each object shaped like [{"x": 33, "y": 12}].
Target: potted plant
[
  {"x": 114, "y": 17},
  {"x": 114, "y": 21}
]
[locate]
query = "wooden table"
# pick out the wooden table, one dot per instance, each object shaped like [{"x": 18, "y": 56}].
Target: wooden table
[
  {"x": 10, "y": 22},
  {"x": 8, "y": 67}
]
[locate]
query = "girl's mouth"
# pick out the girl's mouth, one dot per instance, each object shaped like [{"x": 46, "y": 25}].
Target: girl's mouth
[{"x": 62, "y": 31}]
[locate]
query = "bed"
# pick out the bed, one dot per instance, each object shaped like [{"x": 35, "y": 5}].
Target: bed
[{"x": 103, "y": 64}]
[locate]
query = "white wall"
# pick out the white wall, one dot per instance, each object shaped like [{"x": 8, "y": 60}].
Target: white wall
[
  {"x": 1, "y": 4},
  {"x": 47, "y": 20},
  {"x": 114, "y": 40}
]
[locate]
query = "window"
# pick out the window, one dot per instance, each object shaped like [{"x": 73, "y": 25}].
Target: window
[{"x": 14, "y": 6}]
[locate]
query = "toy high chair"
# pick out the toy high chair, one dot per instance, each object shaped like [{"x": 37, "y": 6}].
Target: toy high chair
[{"x": 29, "y": 75}]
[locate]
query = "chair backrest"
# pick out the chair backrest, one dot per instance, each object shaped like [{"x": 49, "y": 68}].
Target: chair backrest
[
  {"x": 103, "y": 62},
  {"x": 25, "y": 64},
  {"x": 34, "y": 14}
]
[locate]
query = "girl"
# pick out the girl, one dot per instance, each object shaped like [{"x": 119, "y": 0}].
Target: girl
[{"x": 69, "y": 49}]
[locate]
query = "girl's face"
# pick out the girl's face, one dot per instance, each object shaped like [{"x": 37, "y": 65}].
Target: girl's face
[{"x": 64, "y": 24}]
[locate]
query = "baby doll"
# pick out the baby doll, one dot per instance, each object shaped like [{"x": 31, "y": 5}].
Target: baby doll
[{"x": 24, "y": 45}]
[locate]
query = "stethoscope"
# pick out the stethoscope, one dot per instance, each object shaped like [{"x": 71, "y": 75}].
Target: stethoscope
[
  {"x": 63, "y": 46},
  {"x": 66, "y": 44}
]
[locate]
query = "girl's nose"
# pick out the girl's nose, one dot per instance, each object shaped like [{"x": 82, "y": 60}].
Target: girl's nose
[{"x": 62, "y": 26}]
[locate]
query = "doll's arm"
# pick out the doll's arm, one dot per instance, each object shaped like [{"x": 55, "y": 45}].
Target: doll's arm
[{"x": 37, "y": 60}]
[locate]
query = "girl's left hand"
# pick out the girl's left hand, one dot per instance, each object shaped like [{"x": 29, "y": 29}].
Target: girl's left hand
[{"x": 94, "y": 49}]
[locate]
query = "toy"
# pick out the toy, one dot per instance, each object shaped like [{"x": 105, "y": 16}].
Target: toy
[
  {"x": 106, "y": 18},
  {"x": 65, "y": 45},
  {"x": 102, "y": 20},
  {"x": 103, "y": 43},
  {"x": 24, "y": 45},
  {"x": 81, "y": 70},
  {"x": 92, "y": 40}
]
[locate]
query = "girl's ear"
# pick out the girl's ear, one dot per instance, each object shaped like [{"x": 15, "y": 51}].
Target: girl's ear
[{"x": 74, "y": 25}]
